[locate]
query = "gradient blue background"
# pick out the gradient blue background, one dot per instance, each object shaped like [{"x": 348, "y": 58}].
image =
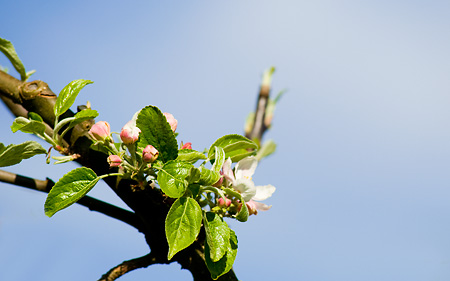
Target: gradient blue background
[{"x": 363, "y": 133}]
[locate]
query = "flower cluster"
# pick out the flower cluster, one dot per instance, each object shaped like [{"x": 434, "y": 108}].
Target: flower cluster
[{"x": 134, "y": 163}]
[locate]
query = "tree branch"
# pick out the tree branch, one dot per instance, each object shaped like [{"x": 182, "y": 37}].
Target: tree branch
[
  {"x": 91, "y": 203},
  {"x": 259, "y": 126},
  {"x": 149, "y": 205},
  {"x": 130, "y": 265}
]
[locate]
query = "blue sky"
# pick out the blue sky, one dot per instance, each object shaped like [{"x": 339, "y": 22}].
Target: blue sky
[{"x": 362, "y": 167}]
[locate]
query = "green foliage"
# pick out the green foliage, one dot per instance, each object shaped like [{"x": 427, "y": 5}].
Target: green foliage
[
  {"x": 14, "y": 153},
  {"x": 29, "y": 126},
  {"x": 83, "y": 115},
  {"x": 223, "y": 265},
  {"x": 172, "y": 178},
  {"x": 7, "y": 48},
  {"x": 235, "y": 146},
  {"x": 243, "y": 213},
  {"x": 208, "y": 177},
  {"x": 190, "y": 155},
  {"x": 217, "y": 235},
  {"x": 156, "y": 131},
  {"x": 266, "y": 149},
  {"x": 219, "y": 155},
  {"x": 183, "y": 223},
  {"x": 68, "y": 94},
  {"x": 69, "y": 189}
]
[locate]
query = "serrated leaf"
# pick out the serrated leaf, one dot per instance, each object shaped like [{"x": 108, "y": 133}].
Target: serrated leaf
[
  {"x": 217, "y": 235},
  {"x": 219, "y": 159},
  {"x": 208, "y": 177},
  {"x": 172, "y": 178},
  {"x": 235, "y": 146},
  {"x": 69, "y": 189},
  {"x": 7, "y": 48},
  {"x": 224, "y": 265},
  {"x": 155, "y": 130},
  {"x": 190, "y": 155},
  {"x": 183, "y": 223},
  {"x": 15, "y": 153},
  {"x": 68, "y": 94},
  {"x": 28, "y": 126}
]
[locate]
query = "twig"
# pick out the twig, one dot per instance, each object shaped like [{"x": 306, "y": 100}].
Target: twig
[
  {"x": 130, "y": 265},
  {"x": 87, "y": 201},
  {"x": 259, "y": 126}
]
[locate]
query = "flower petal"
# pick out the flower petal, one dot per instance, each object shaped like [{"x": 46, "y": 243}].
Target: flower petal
[
  {"x": 246, "y": 168},
  {"x": 264, "y": 192},
  {"x": 246, "y": 188},
  {"x": 227, "y": 171},
  {"x": 261, "y": 206}
]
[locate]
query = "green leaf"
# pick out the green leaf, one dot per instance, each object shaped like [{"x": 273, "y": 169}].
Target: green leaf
[
  {"x": 172, "y": 178},
  {"x": 190, "y": 155},
  {"x": 69, "y": 189},
  {"x": 84, "y": 115},
  {"x": 219, "y": 159},
  {"x": 243, "y": 213},
  {"x": 35, "y": 117},
  {"x": 194, "y": 189},
  {"x": 194, "y": 175},
  {"x": 266, "y": 149},
  {"x": 217, "y": 235},
  {"x": 235, "y": 146},
  {"x": 7, "y": 48},
  {"x": 67, "y": 96},
  {"x": 208, "y": 177},
  {"x": 155, "y": 130},
  {"x": 14, "y": 153},
  {"x": 28, "y": 126},
  {"x": 224, "y": 265},
  {"x": 183, "y": 223}
]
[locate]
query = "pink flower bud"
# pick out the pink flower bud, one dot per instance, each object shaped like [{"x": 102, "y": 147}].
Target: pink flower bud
[
  {"x": 251, "y": 206},
  {"x": 129, "y": 133},
  {"x": 114, "y": 161},
  {"x": 100, "y": 131},
  {"x": 187, "y": 145},
  {"x": 172, "y": 121},
  {"x": 150, "y": 154},
  {"x": 222, "y": 203}
]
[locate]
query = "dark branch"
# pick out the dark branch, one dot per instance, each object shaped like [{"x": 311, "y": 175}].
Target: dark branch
[
  {"x": 87, "y": 201},
  {"x": 130, "y": 265}
]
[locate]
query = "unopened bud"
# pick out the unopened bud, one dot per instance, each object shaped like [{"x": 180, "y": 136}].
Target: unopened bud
[
  {"x": 100, "y": 131},
  {"x": 114, "y": 161},
  {"x": 223, "y": 203},
  {"x": 171, "y": 120},
  {"x": 150, "y": 153},
  {"x": 129, "y": 133},
  {"x": 187, "y": 145}
]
